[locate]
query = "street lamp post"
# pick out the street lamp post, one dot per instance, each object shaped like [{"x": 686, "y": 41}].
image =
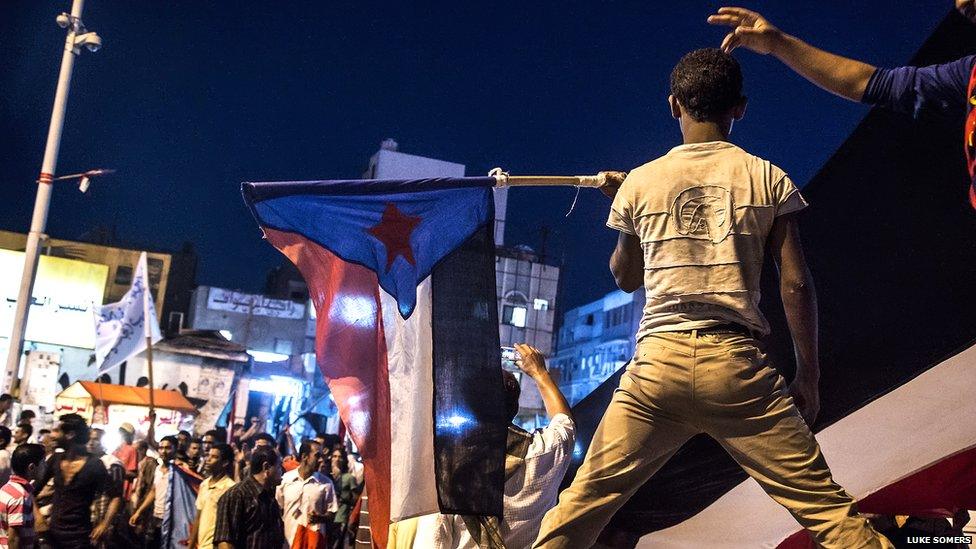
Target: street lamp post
[{"x": 77, "y": 37}]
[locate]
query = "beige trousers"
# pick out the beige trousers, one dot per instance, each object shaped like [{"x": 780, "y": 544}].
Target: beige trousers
[{"x": 684, "y": 383}]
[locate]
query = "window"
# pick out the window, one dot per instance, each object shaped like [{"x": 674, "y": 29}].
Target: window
[
  {"x": 282, "y": 346},
  {"x": 514, "y": 315},
  {"x": 541, "y": 305},
  {"x": 123, "y": 275}
]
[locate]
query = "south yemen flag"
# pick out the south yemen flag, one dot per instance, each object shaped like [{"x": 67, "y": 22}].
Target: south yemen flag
[{"x": 402, "y": 277}]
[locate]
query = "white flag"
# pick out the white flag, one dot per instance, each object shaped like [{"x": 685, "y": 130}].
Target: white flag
[{"x": 121, "y": 328}]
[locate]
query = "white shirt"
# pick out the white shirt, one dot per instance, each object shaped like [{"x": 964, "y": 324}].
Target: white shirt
[
  {"x": 529, "y": 493},
  {"x": 703, "y": 213},
  {"x": 298, "y": 497},
  {"x": 161, "y": 485}
]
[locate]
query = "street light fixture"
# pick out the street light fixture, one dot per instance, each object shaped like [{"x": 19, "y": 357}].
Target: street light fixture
[
  {"x": 77, "y": 37},
  {"x": 84, "y": 177}
]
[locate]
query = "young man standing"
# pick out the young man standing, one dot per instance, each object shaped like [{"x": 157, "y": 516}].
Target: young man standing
[
  {"x": 17, "y": 499},
  {"x": 157, "y": 494},
  {"x": 247, "y": 515},
  {"x": 937, "y": 91},
  {"x": 694, "y": 225},
  {"x": 307, "y": 499},
  {"x": 116, "y": 473},
  {"x": 218, "y": 465},
  {"x": 126, "y": 452},
  {"x": 79, "y": 478}
]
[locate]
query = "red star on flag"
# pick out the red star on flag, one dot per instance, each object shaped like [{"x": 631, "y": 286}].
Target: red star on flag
[{"x": 394, "y": 231}]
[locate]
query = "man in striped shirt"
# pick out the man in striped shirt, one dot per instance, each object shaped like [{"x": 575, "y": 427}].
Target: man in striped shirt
[{"x": 17, "y": 499}]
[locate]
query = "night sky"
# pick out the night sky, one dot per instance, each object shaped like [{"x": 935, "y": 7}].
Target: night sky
[{"x": 189, "y": 98}]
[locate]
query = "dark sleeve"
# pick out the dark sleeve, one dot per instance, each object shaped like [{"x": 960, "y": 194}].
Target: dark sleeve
[
  {"x": 48, "y": 473},
  {"x": 229, "y": 513},
  {"x": 116, "y": 474},
  {"x": 103, "y": 481},
  {"x": 934, "y": 91}
]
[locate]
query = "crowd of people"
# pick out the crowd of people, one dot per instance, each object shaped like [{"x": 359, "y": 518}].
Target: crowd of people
[{"x": 61, "y": 488}]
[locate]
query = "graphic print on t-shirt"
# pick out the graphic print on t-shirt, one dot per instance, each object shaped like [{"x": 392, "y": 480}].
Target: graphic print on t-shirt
[{"x": 704, "y": 211}]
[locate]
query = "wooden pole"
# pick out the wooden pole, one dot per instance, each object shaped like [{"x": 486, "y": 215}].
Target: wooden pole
[
  {"x": 550, "y": 180},
  {"x": 143, "y": 270},
  {"x": 152, "y": 385}
]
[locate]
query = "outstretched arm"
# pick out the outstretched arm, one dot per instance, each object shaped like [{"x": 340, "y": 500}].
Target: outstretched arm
[
  {"x": 534, "y": 364},
  {"x": 839, "y": 75}
]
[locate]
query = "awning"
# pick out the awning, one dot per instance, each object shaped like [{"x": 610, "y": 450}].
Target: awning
[{"x": 107, "y": 394}]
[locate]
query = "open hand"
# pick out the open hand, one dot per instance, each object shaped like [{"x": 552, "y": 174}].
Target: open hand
[{"x": 749, "y": 30}]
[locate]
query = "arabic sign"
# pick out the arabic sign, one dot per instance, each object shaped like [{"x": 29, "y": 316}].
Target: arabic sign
[
  {"x": 65, "y": 292},
  {"x": 219, "y": 299},
  {"x": 121, "y": 263}
]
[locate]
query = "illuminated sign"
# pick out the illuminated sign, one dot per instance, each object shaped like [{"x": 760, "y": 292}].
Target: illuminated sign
[
  {"x": 121, "y": 263},
  {"x": 65, "y": 291},
  {"x": 219, "y": 299}
]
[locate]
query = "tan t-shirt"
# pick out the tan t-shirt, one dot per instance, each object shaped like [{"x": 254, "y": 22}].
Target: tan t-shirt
[
  {"x": 703, "y": 213},
  {"x": 210, "y": 493}
]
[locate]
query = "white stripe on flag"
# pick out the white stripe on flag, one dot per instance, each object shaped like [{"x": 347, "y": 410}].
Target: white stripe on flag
[
  {"x": 929, "y": 418},
  {"x": 409, "y": 343}
]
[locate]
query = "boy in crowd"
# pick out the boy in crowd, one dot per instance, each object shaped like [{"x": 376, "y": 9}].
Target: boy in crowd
[{"x": 17, "y": 499}]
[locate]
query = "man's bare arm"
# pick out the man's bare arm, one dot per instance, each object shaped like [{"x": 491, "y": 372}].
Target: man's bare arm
[
  {"x": 147, "y": 500},
  {"x": 627, "y": 263},
  {"x": 102, "y": 528},
  {"x": 800, "y": 303},
  {"x": 839, "y": 75},
  {"x": 534, "y": 364}
]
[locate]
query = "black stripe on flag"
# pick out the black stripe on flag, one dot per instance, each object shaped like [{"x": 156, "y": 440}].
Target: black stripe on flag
[{"x": 470, "y": 427}]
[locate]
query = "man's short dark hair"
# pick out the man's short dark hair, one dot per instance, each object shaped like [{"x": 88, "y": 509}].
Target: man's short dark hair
[
  {"x": 24, "y": 456},
  {"x": 265, "y": 436},
  {"x": 75, "y": 425},
  {"x": 27, "y": 428},
  {"x": 212, "y": 433},
  {"x": 5, "y": 397},
  {"x": 226, "y": 451},
  {"x": 28, "y": 414},
  {"x": 708, "y": 84},
  {"x": 307, "y": 447},
  {"x": 260, "y": 456},
  {"x": 329, "y": 440},
  {"x": 171, "y": 439},
  {"x": 512, "y": 393},
  {"x": 196, "y": 441},
  {"x": 226, "y": 455},
  {"x": 5, "y": 436}
]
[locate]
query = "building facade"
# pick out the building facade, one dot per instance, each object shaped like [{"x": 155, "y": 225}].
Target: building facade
[{"x": 595, "y": 340}]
